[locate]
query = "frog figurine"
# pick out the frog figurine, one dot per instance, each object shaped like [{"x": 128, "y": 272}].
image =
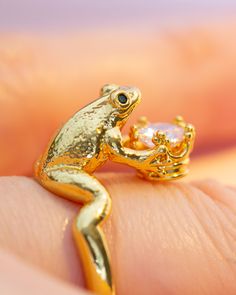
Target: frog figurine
[{"x": 86, "y": 141}]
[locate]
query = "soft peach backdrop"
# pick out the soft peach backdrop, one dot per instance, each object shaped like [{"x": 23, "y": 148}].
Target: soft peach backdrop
[{"x": 176, "y": 237}]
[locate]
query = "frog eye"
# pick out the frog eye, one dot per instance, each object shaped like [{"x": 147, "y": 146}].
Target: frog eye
[{"x": 122, "y": 98}]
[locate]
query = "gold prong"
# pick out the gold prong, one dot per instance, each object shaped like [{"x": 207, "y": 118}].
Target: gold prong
[
  {"x": 159, "y": 138},
  {"x": 161, "y": 135},
  {"x": 189, "y": 132},
  {"x": 189, "y": 128},
  {"x": 142, "y": 121},
  {"x": 179, "y": 120},
  {"x": 134, "y": 132}
]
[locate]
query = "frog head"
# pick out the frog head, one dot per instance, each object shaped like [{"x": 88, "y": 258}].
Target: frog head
[{"x": 123, "y": 100}]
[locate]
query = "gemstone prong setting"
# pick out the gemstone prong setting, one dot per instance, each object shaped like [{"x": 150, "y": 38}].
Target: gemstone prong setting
[{"x": 174, "y": 142}]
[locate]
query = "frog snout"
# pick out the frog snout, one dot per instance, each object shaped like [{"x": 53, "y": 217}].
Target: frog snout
[{"x": 135, "y": 95}]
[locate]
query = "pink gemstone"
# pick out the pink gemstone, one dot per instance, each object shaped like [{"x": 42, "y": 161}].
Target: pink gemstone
[{"x": 174, "y": 133}]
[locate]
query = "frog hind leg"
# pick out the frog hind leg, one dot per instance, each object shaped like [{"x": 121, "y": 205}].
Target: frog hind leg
[{"x": 79, "y": 186}]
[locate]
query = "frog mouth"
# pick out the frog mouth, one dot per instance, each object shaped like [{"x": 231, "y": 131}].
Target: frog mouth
[
  {"x": 128, "y": 112},
  {"x": 133, "y": 106}
]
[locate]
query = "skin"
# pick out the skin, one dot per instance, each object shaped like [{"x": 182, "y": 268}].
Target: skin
[
  {"x": 44, "y": 240},
  {"x": 30, "y": 281},
  {"x": 186, "y": 234}
]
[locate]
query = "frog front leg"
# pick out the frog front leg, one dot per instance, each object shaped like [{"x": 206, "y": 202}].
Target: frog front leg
[
  {"x": 138, "y": 159},
  {"x": 75, "y": 184}
]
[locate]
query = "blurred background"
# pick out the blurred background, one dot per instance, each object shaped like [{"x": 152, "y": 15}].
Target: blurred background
[{"x": 55, "y": 56}]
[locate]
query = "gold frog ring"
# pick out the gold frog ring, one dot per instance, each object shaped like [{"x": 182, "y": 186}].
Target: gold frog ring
[{"x": 158, "y": 151}]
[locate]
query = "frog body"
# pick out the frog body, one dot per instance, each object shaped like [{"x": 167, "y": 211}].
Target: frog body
[
  {"x": 81, "y": 141},
  {"x": 85, "y": 142}
]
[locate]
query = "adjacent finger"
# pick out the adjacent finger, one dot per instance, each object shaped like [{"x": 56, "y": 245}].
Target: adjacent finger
[
  {"x": 219, "y": 165},
  {"x": 191, "y": 73}
]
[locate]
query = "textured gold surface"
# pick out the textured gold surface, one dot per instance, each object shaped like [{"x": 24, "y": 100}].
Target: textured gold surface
[{"x": 84, "y": 143}]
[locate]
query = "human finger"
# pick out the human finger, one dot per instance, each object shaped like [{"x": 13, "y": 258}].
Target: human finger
[
  {"x": 19, "y": 278},
  {"x": 173, "y": 238},
  {"x": 191, "y": 73}
]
